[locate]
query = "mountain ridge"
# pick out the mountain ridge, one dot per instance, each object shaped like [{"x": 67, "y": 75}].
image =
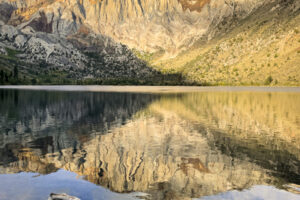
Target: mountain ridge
[
  {"x": 145, "y": 24},
  {"x": 187, "y": 41}
]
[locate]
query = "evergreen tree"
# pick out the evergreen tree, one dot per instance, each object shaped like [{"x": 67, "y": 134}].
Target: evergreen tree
[
  {"x": 33, "y": 81},
  {"x": 16, "y": 72},
  {"x": 2, "y": 76},
  {"x": 6, "y": 77}
]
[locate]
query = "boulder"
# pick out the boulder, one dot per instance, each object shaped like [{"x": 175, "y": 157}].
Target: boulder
[
  {"x": 20, "y": 41},
  {"x": 3, "y": 51},
  {"x": 62, "y": 196},
  {"x": 8, "y": 32},
  {"x": 28, "y": 30}
]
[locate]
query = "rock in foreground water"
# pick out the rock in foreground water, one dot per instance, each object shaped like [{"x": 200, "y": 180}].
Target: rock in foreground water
[{"x": 62, "y": 196}]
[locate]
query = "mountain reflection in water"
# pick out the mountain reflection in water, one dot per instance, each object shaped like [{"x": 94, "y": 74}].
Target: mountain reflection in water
[{"x": 170, "y": 146}]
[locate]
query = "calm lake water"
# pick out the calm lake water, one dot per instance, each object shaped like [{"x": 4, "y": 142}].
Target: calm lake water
[{"x": 150, "y": 143}]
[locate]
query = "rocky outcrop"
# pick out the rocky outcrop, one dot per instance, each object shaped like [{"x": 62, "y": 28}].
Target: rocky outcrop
[
  {"x": 84, "y": 55},
  {"x": 2, "y": 49}
]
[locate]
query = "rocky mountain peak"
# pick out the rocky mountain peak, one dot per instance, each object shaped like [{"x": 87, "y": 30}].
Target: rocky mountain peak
[
  {"x": 173, "y": 35},
  {"x": 148, "y": 25}
]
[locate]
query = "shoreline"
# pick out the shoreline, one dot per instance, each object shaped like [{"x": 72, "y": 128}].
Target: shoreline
[{"x": 153, "y": 89}]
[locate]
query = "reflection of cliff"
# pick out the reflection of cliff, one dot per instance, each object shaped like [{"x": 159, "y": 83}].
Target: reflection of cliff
[
  {"x": 263, "y": 126},
  {"x": 164, "y": 157},
  {"x": 180, "y": 146},
  {"x": 37, "y": 119},
  {"x": 168, "y": 159},
  {"x": 259, "y": 113}
]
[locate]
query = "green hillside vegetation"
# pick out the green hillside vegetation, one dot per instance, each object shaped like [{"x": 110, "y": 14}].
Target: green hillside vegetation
[
  {"x": 264, "y": 49},
  {"x": 13, "y": 71}
]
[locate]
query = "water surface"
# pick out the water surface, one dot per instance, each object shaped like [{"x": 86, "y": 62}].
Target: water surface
[{"x": 150, "y": 143}]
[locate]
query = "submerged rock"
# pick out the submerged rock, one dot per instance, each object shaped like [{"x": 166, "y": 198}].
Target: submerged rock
[{"x": 62, "y": 196}]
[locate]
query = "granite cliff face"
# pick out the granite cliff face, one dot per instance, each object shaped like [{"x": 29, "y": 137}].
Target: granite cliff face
[
  {"x": 203, "y": 41},
  {"x": 149, "y": 25}
]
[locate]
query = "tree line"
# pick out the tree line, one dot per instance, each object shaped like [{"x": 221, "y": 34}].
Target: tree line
[{"x": 9, "y": 77}]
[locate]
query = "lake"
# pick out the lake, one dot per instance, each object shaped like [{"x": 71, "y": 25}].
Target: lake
[{"x": 109, "y": 142}]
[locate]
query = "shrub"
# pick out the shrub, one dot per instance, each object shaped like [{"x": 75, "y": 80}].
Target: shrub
[{"x": 269, "y": 80}]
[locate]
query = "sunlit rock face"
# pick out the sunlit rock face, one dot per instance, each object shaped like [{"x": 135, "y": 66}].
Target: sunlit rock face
[
  {"x": 170, "y": 146},
  {"x": 149, "y": 25}
]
